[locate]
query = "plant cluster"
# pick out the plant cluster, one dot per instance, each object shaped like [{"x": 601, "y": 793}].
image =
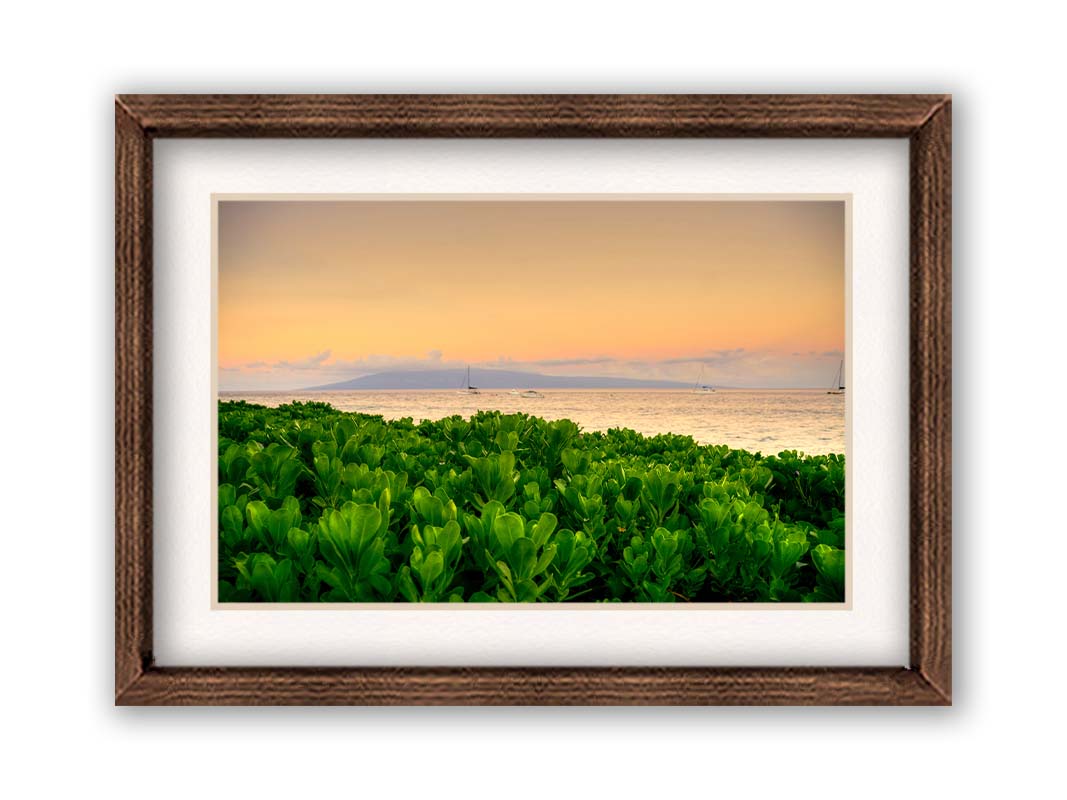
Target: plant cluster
[{"x": 321, "y": 505}]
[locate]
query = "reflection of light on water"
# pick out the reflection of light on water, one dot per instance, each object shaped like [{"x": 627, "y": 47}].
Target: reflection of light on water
[{"x": 766, "y": 420}]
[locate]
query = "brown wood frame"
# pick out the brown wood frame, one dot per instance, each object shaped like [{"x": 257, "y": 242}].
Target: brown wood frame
[{"x": 924, "y": 119}]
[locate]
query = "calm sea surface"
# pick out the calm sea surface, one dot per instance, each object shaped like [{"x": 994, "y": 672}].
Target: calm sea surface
[{"x": 766, "y": 421}]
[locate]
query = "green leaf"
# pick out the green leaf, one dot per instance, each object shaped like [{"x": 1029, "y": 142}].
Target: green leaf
[
  {"x": 258, "y": 516},
  {"x": 363, "y": 522},
  {"x": 406, "y": 586},
  {"x": 545, "y": 559},
  {"x": 830, "y": 562},
  {"x": 508, "y": 528},
  {"x": 227, "y": 495},
  {"x": 543, "y": 529},
  {"x": 522, "y": 557},
  {"x": 232, "y": 525},
  {"x": 299, "y": 540},
  {"x": 788, "y": 550}
]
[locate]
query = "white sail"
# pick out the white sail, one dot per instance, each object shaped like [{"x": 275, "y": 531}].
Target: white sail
[
  {"x": 700, "y": 387},
  {"x": 468, "y": 389},
  {"x": 838, "y": 386}
]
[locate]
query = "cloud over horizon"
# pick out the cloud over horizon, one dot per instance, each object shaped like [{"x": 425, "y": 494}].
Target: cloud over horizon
[{"x": 736, "y": 367}]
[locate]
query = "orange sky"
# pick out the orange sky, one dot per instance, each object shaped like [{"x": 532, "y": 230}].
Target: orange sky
[{"x": 752, "y": 290}]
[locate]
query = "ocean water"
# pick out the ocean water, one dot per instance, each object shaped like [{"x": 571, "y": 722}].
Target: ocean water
[{"x": 766, "y": 420}]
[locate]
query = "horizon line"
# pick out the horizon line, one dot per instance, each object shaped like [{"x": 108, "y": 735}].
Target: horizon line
[{"x": 716, "y": 387}]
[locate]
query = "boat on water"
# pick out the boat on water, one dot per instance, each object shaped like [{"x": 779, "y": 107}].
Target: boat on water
[
  {"x": 700, "y": 387},
  {"x": 469, "y": 389},
  {"x": 839, "y": 381},
  {"x": 530, "y": 393}
]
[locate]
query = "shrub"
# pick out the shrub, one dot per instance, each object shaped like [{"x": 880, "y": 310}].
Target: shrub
[{"x": 321, "y": 505}]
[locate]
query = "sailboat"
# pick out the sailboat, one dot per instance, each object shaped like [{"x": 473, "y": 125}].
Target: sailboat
[
  {"x": 839, "y": 381},
  {"x": 700, "y": 387},
  {"x": 469, "y": 389}
]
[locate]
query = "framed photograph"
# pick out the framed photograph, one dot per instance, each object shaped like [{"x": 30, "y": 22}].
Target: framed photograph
[{"x": 599, "y": 399}]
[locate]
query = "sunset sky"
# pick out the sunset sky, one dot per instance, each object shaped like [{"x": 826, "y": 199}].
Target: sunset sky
[{"x": 313, "y": 292}]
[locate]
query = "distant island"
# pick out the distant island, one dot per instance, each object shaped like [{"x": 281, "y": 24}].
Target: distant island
[{"x": 486, "y": 379}]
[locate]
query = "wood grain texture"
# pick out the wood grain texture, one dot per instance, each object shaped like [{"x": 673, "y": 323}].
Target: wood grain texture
[
  {"x": 924, "y": 119},
  {"x": 133, "y": 399},
  {"x": 613, "y": 116},
  {"x": 531, "y": 686},
  {"x": 931, "y": 399}
]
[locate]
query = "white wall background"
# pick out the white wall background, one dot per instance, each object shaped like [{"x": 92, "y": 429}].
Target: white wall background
[{"x": 60, "y": 67}]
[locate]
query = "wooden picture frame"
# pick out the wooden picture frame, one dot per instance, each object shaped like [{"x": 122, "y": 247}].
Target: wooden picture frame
[{"x": 925, "y": 120}]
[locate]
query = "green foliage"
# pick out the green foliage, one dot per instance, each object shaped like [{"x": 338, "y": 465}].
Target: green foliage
[
  {"x": 435, "y": 558},
  {"x": 320, "y": 505},
  {"x": 352, "y": 543},
  {"x": 521, "y": 554}
]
